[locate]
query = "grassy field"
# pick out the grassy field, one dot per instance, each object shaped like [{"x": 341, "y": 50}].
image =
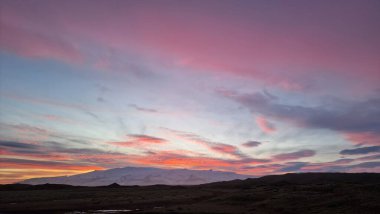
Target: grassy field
[{"x": 291, "y": 193}]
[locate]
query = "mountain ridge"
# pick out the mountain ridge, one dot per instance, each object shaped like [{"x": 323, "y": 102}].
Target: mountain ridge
[{"x": 142, "y": 176}]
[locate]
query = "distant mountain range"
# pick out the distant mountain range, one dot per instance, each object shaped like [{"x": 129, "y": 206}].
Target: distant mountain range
[{"x": 141, "y": 176}]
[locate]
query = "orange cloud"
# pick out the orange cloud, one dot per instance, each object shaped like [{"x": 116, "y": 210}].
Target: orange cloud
[
  {"x": 175, "y": 159},
  {"x": 15, "y": 175}
]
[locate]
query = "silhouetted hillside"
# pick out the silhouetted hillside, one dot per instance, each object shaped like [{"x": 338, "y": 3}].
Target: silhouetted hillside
[
  {"x": 289, "y": 193},
  {"x": 318, "y": 178},
  {"x": 304, "y": 178},
  {"x": 7, "y": 187}
]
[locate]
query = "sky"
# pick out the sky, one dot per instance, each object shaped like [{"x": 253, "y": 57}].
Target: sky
[{"x": 255, "y": 87}]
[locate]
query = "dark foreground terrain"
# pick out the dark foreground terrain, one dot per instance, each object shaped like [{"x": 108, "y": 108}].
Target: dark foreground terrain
[{"x": 290, "y": 193}]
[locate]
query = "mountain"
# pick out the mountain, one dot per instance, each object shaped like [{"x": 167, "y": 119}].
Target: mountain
[{"x": 141, "y": 176}]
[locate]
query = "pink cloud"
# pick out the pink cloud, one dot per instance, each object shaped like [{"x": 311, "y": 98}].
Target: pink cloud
[
  {"x": 140, "y": 141},
  {"x": 24, "y": 128},
  {"x": 367, "y": 138},
  {"x": 279, "y": 46},
  {"x": 265, "y": 125},
  {"x": 221, "y": 148},
  {"x": 25, "y": 155},
  {"x": 261, "y": 170}
]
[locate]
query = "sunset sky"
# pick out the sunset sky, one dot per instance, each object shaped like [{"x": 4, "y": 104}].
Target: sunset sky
[{"x": 256, "y": 87}]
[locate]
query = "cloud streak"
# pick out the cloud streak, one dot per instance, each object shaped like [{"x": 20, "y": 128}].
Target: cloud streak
[
  {"x": 140, "y": 141},
  {"x": 361, "y": 151},
  {"x": 142, "y": 109},
  {"x": 294, "y": 155}
]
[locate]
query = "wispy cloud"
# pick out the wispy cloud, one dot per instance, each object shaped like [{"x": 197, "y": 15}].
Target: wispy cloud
[
  {"x": 142, "y": 109},
  {"x": 176, "y": 159},
  {"x": 354, "y": 118},
  {"x": 222, "y": 148}
]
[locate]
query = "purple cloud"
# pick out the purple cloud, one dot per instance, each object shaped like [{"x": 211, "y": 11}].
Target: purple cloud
[
  {"x": 294, "y": 155},
  {"x": 361, "y": 151},
  {"x": 17, "y": 145},
  {"x": 293, "y": 166},
  {"x": 362, "y": 117},
  {"x": 250, "y": 144},
  {"x": 370, "y": 157}
]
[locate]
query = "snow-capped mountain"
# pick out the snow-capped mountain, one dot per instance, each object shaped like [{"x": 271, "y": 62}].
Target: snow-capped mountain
[{"x": 140, "y": 176}]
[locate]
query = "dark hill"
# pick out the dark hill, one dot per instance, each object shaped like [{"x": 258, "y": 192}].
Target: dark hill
[
  {"x": 275, "y": 194},
  {"x": 10, "y": 187},
  {"x": 304, "y": 178},
  {"x": 318, "y": 178},
  {"x": 114, "y": 185}
]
